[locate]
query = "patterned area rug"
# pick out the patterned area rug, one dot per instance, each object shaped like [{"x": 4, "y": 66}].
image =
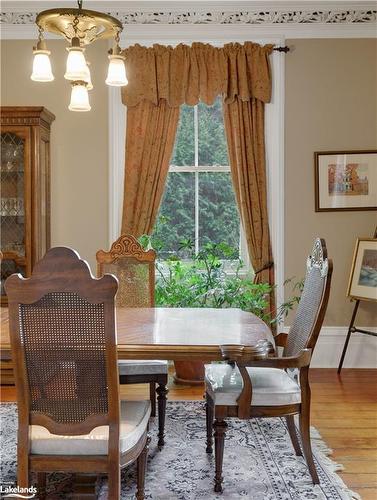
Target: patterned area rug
[{"x": 259, "y": 462}]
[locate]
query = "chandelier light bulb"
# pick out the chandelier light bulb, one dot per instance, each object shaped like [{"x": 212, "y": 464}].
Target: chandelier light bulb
[
  {"x": 76, "y": 68},
  {"x": 116, "y": 74},
  {"x": 79, "y": 97}
]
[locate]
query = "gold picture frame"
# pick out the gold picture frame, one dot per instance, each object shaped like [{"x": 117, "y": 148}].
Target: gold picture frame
[{"x": 362, "y": 283}]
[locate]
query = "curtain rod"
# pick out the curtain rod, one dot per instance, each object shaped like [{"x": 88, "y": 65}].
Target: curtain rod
[{"x": 284, "y": 49}]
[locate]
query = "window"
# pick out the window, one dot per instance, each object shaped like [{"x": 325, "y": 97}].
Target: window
[{"x": 199, "y": 204}]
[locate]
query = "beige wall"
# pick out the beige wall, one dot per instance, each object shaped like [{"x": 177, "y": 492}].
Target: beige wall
[
  {"x": 331, "y": 104},
  {"x": 79, "y": 142}
]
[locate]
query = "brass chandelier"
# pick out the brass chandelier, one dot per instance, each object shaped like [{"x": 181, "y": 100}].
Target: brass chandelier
[{"x": 80, "y": 27}]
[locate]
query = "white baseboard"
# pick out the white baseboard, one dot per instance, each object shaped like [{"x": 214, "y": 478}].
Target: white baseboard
[{"x": 361, "y": 352}]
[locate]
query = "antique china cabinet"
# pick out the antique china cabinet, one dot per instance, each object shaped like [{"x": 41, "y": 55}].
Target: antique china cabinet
[
  {"x": 25, "y": 189},
  {"x": 25, "y": 196}
]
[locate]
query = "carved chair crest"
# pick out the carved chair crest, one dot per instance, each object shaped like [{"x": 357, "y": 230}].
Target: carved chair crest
[
  {"x": 126, "y": 246},
  {"x": 318, "y": 258}
]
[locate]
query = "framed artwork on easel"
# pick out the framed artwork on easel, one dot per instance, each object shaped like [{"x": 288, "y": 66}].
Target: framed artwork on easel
[
  {"x": 363, "y": 278},
  {"x": 362, "y": 284}
]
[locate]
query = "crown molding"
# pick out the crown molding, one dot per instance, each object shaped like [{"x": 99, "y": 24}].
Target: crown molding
[{"x": 142, "y": 20}]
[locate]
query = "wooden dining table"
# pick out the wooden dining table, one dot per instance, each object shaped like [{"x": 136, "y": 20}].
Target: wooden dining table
[{"x": 180, "y": 334}]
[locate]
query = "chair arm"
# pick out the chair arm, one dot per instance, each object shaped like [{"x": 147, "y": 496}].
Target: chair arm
[
  {"x": 281, "y": 339},
  {"x": 303, "y": 359}
]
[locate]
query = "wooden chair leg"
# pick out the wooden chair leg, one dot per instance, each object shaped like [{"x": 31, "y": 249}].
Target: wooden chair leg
[
  {"x": 161, "y": 400},
  {"x": 209, "y": 423},
  {"x": 41, "y": 485},
  {"x": 304, "y": 420},
  {"x": 22, "y": 460},
  {"x": 113, "y": 490},
  {"x": 219, "y": 434},
  {"x": 293, "y": 434},
  {"x": 152, "y": 397},
  {"x": 141, "y": 470}
]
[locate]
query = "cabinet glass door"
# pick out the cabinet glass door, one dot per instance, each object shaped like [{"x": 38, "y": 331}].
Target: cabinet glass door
[{"x": 12, "y": 207}]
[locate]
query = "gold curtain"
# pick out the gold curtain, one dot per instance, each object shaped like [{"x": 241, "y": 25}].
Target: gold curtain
[
  {"x": 150, "y": 140},
  {"x": 163, "y": 78},
  {"x": 200, "y": 72},
  {"x": 244, "y": 128}
]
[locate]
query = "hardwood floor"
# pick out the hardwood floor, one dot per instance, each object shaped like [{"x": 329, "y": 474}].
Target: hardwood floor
[{"x": 344, "y": 410}]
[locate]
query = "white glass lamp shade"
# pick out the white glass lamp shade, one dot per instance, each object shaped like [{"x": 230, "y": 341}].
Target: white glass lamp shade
[
  {"x": 42, "y": 66},
  {"x": 88, "y": 79},
  {"x": 79, "y": 98},
  {"x": 116, "y": 75},
  {"x": 76, "y": 68}
]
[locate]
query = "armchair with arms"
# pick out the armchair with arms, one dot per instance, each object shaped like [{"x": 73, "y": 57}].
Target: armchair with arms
[{"x": 274, "y": 386}]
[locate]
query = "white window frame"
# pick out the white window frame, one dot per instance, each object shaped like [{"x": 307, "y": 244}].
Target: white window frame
[
  {"x": 196, "y": 169},
  {"x": 274, "y": 125}
]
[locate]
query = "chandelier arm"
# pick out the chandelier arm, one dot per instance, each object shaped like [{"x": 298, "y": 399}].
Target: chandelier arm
[{"x": 40, "y": 33}]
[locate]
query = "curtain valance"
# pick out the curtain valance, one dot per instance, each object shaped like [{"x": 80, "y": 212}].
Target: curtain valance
[{"x": 200, "y": 72}]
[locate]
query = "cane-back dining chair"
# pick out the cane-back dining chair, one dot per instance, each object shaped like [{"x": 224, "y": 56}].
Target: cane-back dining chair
[
  {"x": 135, "y": 269},
  {"x": 274, "y": 386},
  {"x": 70, "y": 419}
]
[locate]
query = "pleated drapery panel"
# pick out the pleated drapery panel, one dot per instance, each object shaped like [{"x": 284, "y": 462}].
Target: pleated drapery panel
[
  {"x": 200, "y": 72},
  {"x": 244, "y": 128},
  {"x": 150, "y": 141},
  {"x": 163, "y": 78}
]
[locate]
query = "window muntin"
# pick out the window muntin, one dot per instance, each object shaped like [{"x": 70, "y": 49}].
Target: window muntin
[{"x": 199, "y": 204}]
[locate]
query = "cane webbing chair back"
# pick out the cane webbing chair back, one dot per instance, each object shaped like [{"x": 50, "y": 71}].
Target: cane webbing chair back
[
  {"x": 312, "y": 306},
  {"x": 63, "y": 343},
  {"x": 135, "y": 269},
  {"x": 65, "y": 354}
]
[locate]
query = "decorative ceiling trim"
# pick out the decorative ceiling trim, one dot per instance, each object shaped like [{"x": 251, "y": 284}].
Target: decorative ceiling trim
[{"x": 272, "y": 17}]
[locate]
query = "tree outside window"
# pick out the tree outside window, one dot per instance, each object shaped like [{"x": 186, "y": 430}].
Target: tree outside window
[{"x": 198, "y": 206}]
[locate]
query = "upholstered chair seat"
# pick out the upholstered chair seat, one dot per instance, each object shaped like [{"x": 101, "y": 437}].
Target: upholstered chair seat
[
  {"x": 271, "y": 386},
  {"x": 134, "y": 418},
  {"x": 144, "y": 367}
]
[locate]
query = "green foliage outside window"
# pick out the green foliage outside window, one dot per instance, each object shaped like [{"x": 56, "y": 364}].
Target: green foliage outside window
[{"x": 201, "y": 281}]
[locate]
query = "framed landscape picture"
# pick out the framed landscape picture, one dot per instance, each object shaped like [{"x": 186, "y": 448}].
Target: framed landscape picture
[
  {"x": 363, "y": 278},
  {"x": 345, "y": 180}
]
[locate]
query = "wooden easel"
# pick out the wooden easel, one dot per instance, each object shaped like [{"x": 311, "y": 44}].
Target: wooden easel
[{"x": 352, "y": 328}]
